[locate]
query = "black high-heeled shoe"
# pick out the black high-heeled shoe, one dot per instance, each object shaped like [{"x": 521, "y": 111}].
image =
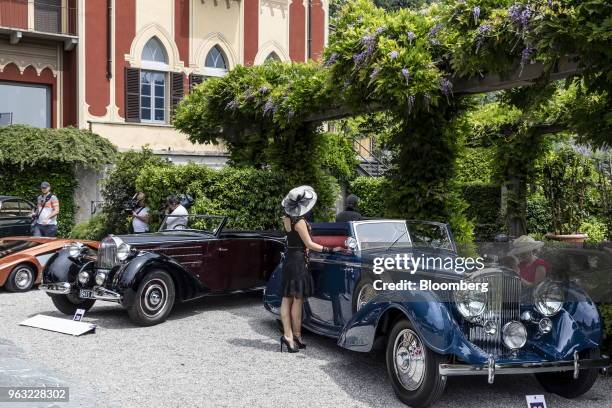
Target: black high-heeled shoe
[
  {"x": 290, "y": 349},
  {"x": 298, "y": 342}
]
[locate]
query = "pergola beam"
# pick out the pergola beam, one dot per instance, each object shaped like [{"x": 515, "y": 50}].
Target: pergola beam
[{"x": 566, "y": 67}]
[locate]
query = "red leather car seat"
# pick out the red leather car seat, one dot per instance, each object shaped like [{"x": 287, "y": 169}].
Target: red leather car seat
[{"x": 331, "y": 241}]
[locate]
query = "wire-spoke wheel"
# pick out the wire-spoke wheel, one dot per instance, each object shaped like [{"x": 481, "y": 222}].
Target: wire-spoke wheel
[
  {"x": 366, "y": 294},
  {"x": 21, "y": 278},
  {"x": 414, "y": 370}
]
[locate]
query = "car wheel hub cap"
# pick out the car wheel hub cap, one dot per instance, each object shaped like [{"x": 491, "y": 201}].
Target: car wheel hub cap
[
  {"x": 409, "y": 359},
  {"x": 23, "y": 278},
  {"x": 154, "y": 298},
  {"x": 366, "y": 294}
]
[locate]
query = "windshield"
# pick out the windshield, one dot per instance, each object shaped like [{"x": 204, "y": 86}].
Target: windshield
[
  {"x": 382, "y": 234},
  {"x": 431, "y": 235},
  {"x": 206, "y": 223},
  {"x": 9, "y": 246}
]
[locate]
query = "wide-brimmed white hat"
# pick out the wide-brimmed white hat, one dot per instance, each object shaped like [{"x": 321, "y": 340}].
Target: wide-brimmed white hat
[
  {"x": 524, "y": 244},
  {"x": 299, "y": 201}
]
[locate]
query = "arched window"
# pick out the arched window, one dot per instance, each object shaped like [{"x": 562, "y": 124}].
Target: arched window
[
  {"x": 216, "y": 62},
  {"x": 272, "y": 57},
  {"x": 153, "y": 92},
  {"x": 154, "y": 51}
]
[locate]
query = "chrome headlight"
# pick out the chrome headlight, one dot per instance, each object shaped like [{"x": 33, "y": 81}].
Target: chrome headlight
[
  {"x": 548, "y": 298},
  {"x": 514, "y": 335},
  {"x": 83, "y": 277},
  {"x": 100, "y": 278},
  {"x": 470, "y": 304},
  {"x": 123, "y": 250},
  {"x": 75, "y": 249}
]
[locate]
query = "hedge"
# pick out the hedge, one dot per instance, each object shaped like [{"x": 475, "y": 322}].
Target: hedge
[
  {"x": 30, "y": 155},
  {"x": 371, "y": 192},
  {"x": 484, "y": 201},
  {"x": 250, "y": 198}
]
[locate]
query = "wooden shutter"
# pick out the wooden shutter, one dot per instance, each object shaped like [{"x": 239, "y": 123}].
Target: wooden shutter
[
  {"x": 176, "y": 91},
  {"x": 194, "y": 80},
  {"x": 132, "y": 95}
]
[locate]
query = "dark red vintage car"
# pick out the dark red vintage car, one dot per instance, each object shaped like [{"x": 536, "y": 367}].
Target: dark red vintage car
[{"x": 148, "y": 273}]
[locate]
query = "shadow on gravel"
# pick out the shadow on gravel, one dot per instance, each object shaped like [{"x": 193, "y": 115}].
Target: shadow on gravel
[{"x": 113, "y": 316}]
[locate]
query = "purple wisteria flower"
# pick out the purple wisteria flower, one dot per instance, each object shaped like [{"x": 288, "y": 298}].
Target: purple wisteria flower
[
  {"x": 484, "y": 29},
  {"x": 406, "y": 74},
  {"x": 374, "y": 73},
  {"x": 433, "y": 31},
  {"x": 476, "y": 13},
  {"x": 268, "y": 107},
  {"x": 331, "y": 60},
  {"x": 393, "y": 55},
  {"x": 380, "y": 30},
  {"x": 232, "y": 105},
  {"x": 358, "y": 59},
  {"x": 520, "y": 15},
  {"x": 411, "y": 101},
  {"x": 411, "y": 37},
  {"x": 526, "y": 54},
  {"x": 446, "y": 86},
  {"x": 550, "y": 3},
  {"x": 264, "y": 90}
]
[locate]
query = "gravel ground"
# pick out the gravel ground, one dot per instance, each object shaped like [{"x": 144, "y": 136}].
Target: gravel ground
[{"x": 221, "y": 352}]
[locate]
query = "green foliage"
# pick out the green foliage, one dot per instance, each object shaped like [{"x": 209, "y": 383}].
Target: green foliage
[
  {"x": 606, "y": 313},
  {"x": 484, "y": 201},
  {"x": 120, "y": 186},
  {"x": 337, "y": 156},
  {"x": 539, "y": 219},
  {"x": 250, "y": 198},
  {"x": 595, "y": 229},
  {"x": 94, "y": 229},
  {"x": 567, "y": 176},
  {"x": 372, "y": 192},
  {"x": 477, "y": 164},
  {"x": 29, "y": 146}
]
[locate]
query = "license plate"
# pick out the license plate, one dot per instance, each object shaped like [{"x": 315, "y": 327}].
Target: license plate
[{"x": 85, "y": 294}]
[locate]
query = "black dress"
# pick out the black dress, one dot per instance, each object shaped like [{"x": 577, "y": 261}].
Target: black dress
[{"x": 297, "y": 281}]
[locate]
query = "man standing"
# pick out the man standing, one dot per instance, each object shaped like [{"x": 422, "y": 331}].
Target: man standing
[
  {"x": 140, "y": 215},
  {"x": 45, "y": 222},
  {"x": 350, "y": 212}
]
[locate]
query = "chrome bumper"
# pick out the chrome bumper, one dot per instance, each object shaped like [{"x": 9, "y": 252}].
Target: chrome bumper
[
  {"x": 491, "y": 368},
  {"x": 101, "y": 293},
  {"x": 64, "y": 288},
  {"x": 60, "y": 288}
]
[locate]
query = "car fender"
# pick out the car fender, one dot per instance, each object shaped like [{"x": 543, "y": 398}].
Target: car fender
[
  {"x": 272, "y": 296},
  {"x": 8, "y": 263},
  {"x": 427, "y": 313},
  {"x": 129, "y": 277},
  {"x": 61, "y": 267},
  {"x": 578, "y": 326}
]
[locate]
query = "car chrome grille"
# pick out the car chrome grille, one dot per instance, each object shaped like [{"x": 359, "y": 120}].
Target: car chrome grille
[
  {"x": 107, "y": 254},
  {"x": 503, "y": 306}
]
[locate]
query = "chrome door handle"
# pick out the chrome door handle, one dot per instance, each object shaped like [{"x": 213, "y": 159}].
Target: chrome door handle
[{"x": 222, "y": 249}]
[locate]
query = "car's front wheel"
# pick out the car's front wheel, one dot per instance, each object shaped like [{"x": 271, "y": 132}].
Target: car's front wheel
[
  {"x": 564, "y": 383},
  {"x": 68, "y": 304},
  {"x": 154, "y": 299},
  {"x": 413, "y": 369},
  {"x": 21, "y": 279}
]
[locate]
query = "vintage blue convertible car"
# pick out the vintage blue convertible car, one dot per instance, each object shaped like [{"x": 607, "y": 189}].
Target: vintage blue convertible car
[{"x": 444, "y": 323}]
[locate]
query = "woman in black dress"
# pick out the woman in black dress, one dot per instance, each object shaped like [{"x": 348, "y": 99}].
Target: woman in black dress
[{"x": 297, "y": 283}]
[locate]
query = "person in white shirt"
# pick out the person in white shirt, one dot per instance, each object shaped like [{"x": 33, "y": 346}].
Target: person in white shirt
[
  {"x": 176, "y": 214},
  {"x": 140, "y": 215}
]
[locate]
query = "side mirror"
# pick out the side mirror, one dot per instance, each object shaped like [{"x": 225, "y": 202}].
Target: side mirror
[{"x": 351, "y": 243}]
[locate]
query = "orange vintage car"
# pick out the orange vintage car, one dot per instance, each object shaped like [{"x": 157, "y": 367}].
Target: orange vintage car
[{"x": 22, "y": 259}]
